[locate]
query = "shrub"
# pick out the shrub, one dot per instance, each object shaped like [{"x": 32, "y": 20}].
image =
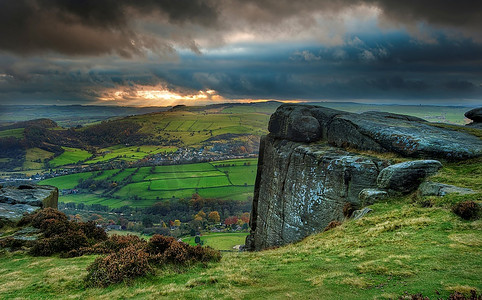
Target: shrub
[
  {"x": 203, "y": 254},
  {"x": 36, "y": 218},
  {"x": 459, "y": 296},
  {"x": 126, "y": 264},
  {"x": 177, "y": 253},
  {"x": 129, "y": 257},
  {"x": 348, "y": 209},
  {"x": 59, "y": 243},
  {"x": 61, "y": 235},
  {"x": 117, "y": 242},
  {"x": 91, "y": 231},
  {"x": 467, "y": 210},
  {"x": 13, "y": 244},
  {"x": 332, "y": 225},
  {"x": 158, "y": 244},
  {"x": 50, "y": 227}
]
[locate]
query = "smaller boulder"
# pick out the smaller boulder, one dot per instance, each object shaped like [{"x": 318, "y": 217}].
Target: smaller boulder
[
  {"x": 439, "y": 189},
  {"x": 358, "y": 214},
  {"x": 406, "y": 177},
  {"x": 371, "y": 196},
  {"x": 474, "y": 114}
]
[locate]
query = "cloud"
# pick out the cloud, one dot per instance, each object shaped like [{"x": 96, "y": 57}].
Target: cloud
[
  {"x": 130, "y": 28},
  {"x": 304, "y": 55},
  {"x": 96, "y": 27}
]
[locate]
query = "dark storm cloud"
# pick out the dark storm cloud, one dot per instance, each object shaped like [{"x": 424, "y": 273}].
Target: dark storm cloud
[
  {"x": 95, "y": 27},
  {"x": 92, "y": 27}
]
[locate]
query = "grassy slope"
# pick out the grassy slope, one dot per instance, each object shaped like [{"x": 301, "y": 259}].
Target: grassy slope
[
  {"x": 132, "y": 153},
  {"x": 399, "y": 247},
  {"x": 32, "y": 156},
  {"x": 17, "y": 132},
  {"x": 70, "y": 156}
]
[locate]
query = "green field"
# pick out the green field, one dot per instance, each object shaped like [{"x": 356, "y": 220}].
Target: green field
[
  {"x": 220, "y": 241},
  {"x": 70, "y": 156},
  {"x": 231, "y": 180},
  {"x": 66, "y": 181},
  {"x": 17, "y": 132},
  {"x": 34, "y": 158},
  {"x": 132, "y": 153}
]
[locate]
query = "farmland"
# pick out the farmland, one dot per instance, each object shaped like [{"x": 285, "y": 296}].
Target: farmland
[
  {"x": 141, "y": 187},
  {"x": 70, "y": 156},
  {"x": 132, "y": 153},
  {"x": 17, "y": 132}
]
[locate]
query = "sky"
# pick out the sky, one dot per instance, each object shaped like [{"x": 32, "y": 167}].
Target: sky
[{"x": 167, "y": 52}]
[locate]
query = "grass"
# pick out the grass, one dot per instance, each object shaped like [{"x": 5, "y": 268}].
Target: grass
[
  {"x": 397, "y": 248},
  {"x": 132, "y": 153},
  {"x": 69, "y": 156},
  {"x": 33, "y": 156},
  {"x": 220, "y": 241},
  {"x": 66, "y": 181},
  {"x": 192, "y": 128},
  {"x": 16, "y": 132}
]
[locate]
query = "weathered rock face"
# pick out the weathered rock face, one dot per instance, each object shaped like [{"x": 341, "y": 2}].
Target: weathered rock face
[
  {"x": 303, "y": 187},
  {"x": 406, "y": 177},
  {"x": 476, "y": 116},
  {"x": 439, "y": 189},
  {"x": 15, "y": 201},
  {"x": 376, "y": 131}
]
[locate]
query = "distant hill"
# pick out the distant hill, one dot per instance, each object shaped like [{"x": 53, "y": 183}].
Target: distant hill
[{"x": 69, "y": 115}]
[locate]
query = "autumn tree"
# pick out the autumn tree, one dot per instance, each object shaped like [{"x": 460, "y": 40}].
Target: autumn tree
[
  {"x": 231, "y": 220},
  {"x": 245, "y": 217},
  {"x": 214, "y": 217}
]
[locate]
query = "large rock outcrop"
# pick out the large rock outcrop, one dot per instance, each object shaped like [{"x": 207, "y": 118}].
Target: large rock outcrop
[
  {"x": 476, "y": 116},
  {"x": 303, "y": 187},
  {"x": 375, "y": 131},
  {"x": 15, "y": 201},
  {"x": 305, "y": 178}
]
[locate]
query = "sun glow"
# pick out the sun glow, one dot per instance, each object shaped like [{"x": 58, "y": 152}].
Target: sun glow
[{"x": 158, "y": 95}]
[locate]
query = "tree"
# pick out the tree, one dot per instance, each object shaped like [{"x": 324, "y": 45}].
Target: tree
[
  {"x": 201, "y": 215},
  {"x": 245, "y": 217},
  {"x": 147, "y": 221},
  {"x": 177, "y": 223},
  {"x": 231, "y": 220},
  {"x": 214, "y": 217},
  {"x": 197, "y": 239}
]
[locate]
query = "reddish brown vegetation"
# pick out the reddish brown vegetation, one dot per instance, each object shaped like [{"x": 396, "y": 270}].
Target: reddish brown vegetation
[
  {"x": 131, "y": 257},
  {"x": 332, "y": 225},
  {"x": 467, "y": 210},
  {"x": 348, "y": 209}
]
